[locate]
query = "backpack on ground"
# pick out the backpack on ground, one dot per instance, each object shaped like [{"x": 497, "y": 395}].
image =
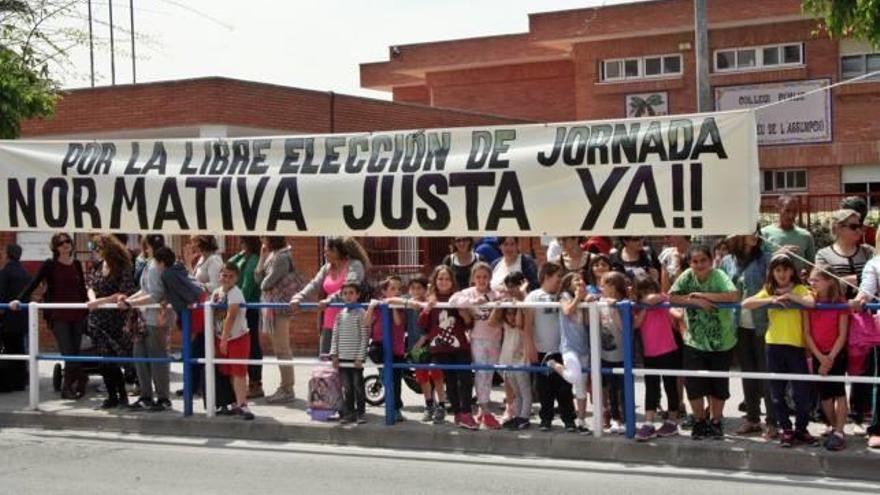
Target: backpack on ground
[{"x": 325, "y": 393}]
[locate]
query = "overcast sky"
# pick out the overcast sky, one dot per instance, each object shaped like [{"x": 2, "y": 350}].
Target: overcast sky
[{"x": 309, "y": 44}]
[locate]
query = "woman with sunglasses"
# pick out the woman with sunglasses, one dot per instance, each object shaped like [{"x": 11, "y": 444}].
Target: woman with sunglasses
[
  {"x": 846, "y": 259},
  {"x": 65, "y": 283}
]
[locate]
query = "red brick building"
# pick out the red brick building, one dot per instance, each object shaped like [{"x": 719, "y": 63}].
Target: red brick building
[
  {"x": 221, "y": 107},
  {"x": 591, "y": 64}
]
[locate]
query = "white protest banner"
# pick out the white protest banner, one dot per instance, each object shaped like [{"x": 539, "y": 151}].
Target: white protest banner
[
  {"x": 803, "y": 120},
  {"x": 683, "y": 174}
]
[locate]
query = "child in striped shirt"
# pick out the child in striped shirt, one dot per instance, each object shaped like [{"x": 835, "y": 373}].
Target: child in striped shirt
[{"x": 351, "y": 331}]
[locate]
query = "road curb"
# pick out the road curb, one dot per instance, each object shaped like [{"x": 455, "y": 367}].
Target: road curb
[{"x": 854, "y": 463}]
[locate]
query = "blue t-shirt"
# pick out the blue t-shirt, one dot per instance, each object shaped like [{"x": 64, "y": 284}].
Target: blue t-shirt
[{"x": 574, "y": 334}]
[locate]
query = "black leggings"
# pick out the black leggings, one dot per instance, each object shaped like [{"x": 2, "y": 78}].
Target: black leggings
[
  {"x": 114, "y": 380},
  {"x": 459, "y": 383},
  {"x": 613, "y": 385},
  {"x": 668, "y": 361}
]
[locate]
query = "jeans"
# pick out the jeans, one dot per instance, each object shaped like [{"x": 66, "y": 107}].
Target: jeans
[
  {"x": 789, "y": 359},
  {"x": 255, "y": 372},
  {"x": 752, "y": 356},
  {"x": 152, "y": 345},
  {"x": 353, "y": 397},
  {"x": 553, "y": 389},
  {"x": 68, "y": 335},
  {"x": 459, "y": 384}
]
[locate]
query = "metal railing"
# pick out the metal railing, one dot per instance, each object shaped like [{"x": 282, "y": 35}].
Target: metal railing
[{"x": 628, "y": 370}]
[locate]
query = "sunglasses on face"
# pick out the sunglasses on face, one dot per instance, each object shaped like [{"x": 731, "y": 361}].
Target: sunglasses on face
[
  {"x": 63, "y": 242},
  {"x": 854, "y": 226}
]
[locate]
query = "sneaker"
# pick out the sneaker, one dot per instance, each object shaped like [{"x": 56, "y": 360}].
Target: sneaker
[
  {"x": 583, "y": 429},
  {"x": 615, "y": 428},
  {"x": 667, "y": 429},
  {"x": 874, "y": 442},
  {"x": 689, "y": 422},
  {"x": 255, "y": 391},
  {"x": 828, "y": 430},
  {"x": 398, "y": 416},
  {"x": 488, "y": 420},
  {"x": 570, "y": 428},
  {"x": 510, "y": 424},
  {"x": 428, "y": 414},
  {"x": 700, "y": 430},
  {"x": 225, "y": 411},
  {"x": 361, "y": 419},
  {"x": 770, "y": 433},
  {"x": 157, "y": 406},
  {"x": 786, "y": 439},
  {"x": 142, "y": 404},
  {"x": 805, "y": 438},
  {"x": 522, "y": 423},
  {"x": 109, "y": 404},
  {"x": 439, "y": 415},
  {"x": 280, "y": 397},
  {"x": 646, "y": 432},
  {"x": 545, "y": 427},
  {"x": 748, "y": 428},
  {"x": 245, "y": 413},
  {"x": 467, "y": 421},
  {"x": 716, "y": 430},
  {"x": 859, "y": 429},
  {"x": 835, "y": 442},
  {"x": 165, "y": 403},
  {"x": 347, "y": 419}
]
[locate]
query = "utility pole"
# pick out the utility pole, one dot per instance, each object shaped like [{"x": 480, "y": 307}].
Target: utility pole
[
  {"x": 701, "y": 54},
  {"x": 133, "y": 65},
  {"x": 112, "y": 49},
  {"x": 91, "y": 45}
]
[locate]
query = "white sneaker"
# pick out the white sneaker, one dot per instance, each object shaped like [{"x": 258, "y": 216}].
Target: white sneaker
[
  {"x": 280, "y": 397},
  {"x": 616, "y": 428},
  {"x": 859, "y": 429}
]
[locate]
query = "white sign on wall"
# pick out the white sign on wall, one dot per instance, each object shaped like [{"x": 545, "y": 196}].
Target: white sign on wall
[
  {"x": 34, "y": 245},
  {"x": 803, "y": 120}
]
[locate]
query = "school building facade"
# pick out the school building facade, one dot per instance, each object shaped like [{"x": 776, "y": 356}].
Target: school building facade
[{"x": 639, "y": 59}]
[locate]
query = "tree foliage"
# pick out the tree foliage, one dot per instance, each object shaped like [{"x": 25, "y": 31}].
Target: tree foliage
[
  {"x": 30, "y": 40},
  {"x": 859, "y": 19}
]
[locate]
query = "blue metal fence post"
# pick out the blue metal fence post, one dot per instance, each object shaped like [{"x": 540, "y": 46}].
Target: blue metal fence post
[
  {"x": 186, "y": 317},
  {"x": 629, "y": 388},
  {"x": 387, "y": 366}
]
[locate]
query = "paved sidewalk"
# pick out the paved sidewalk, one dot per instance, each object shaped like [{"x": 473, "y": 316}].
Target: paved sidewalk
[{"x": 291, "y": 423}]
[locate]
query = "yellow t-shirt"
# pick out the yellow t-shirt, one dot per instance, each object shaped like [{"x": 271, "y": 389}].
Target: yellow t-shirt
[{"x": 786, "y": 325}]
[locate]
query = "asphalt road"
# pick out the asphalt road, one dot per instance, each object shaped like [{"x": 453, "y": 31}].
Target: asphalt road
[{"x": 50, "y": 462}]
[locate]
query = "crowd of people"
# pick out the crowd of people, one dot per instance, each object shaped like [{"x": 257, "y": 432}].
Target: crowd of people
[{"x": 776, "y": 273}]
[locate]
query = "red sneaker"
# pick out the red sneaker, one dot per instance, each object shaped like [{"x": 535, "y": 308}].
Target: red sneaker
[
  {"x": 457, "y": 419},
  {"x": 488, "y": 420},
  {"x": 467, "y": 421}
]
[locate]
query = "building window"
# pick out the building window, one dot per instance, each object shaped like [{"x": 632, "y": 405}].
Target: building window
[
  {"x": 759, "y": 57},
  {"x": 858, "y": 65},
  {"x": 783, "y": 180},
  {"x": 640, "y": 67}
]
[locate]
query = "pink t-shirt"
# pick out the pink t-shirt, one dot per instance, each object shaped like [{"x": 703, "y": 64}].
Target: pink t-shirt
[
  {"x": 332, "y": 285},
  {"x": 481, "y": 328},
  {"x": 824, "y": 326},
  {"x": 656, "y": 332},
  {"x": 398, "y": 334}
]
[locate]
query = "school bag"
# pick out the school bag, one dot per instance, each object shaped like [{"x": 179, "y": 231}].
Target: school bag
[{"x": 325, "y": 393}]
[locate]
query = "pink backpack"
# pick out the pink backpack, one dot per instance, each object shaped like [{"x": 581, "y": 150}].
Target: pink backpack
[
  {"x": 864, "y": 333},
  {"x": 325, "y": 392}
]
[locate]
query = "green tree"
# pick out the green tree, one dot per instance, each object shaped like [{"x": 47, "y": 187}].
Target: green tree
[
  {"x": 859, "y": 19},
  {"x": 33, "y": 35}
]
